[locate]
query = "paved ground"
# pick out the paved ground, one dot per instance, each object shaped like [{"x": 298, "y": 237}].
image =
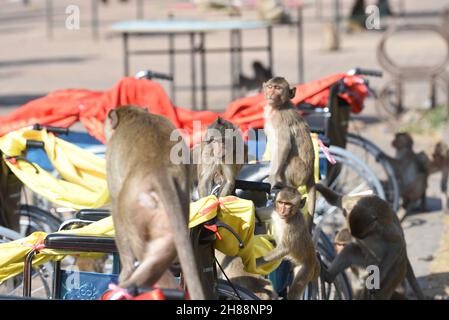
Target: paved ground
[{"x": 32, "y": 65}]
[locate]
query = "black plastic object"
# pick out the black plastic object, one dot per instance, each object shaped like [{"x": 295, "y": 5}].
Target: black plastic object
[
  {"x": 80, "y": 243},
  {"x": 252, "y": 185},
  {"x": 56, "y": 130},
  {"x": 93, "y": 214},
  {"x": 368, "y": 72},
  {"x": 35, "y": 144}
]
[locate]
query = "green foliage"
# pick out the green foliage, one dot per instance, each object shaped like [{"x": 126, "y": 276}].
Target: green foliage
[{"x": 426, "y": 122}]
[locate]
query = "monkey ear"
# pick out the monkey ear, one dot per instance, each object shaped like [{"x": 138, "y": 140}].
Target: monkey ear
[
  {"x": 113, "y": 118},
  {"x": 292, "y": 92}
]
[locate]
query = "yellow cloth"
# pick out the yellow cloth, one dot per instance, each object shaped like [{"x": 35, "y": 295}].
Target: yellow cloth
[
  {"x": 84, "y": 174},
  {"x": 237, "y": 213}
]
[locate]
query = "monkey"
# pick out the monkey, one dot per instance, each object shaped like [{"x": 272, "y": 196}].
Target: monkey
[
  {"x": 378, "y": 239},
  {"x": 440, "y": 162},
  {"x": 234, "y": 269},
  {"x": 149, "y": 200},
  {"x": 220, "y": 158},
  {"x": 261, "y": 74},
  {"x": 291, "y": 146},
  {"x": 293, "y": 240},
  {"x": 411, "y": 170}
]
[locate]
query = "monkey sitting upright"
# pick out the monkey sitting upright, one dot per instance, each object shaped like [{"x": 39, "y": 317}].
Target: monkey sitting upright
[
  {"x": 150, "y": 197},
  {"x": 440, "y": 162},
  {"x": 291, "y": 147},
  {"x": 222, "y": 155},
  {"x": 378, "y": 240},
  {"x": 411, "y": 169},
  {"x": 293, "y": 240}
]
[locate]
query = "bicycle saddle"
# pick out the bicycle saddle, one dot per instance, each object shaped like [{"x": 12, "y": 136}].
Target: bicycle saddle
[{"x": 254, "y": 171}]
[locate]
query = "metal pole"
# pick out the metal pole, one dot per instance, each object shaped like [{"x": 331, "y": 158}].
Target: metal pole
[
  {"x": 203, "y": 70},
  {"x": 171, "y": 52},
  {"x": 270, "y": 48},
  {"x": 238, "y": 53},
  {"x": 193, "y": 70},
  {"x": 95, "y": 29},
  {"x": 300, "y": 47},
  {"x": 126, "y": 53},
  {"x": 49, "y": 14},
  {"x": 233, "y": 63}
]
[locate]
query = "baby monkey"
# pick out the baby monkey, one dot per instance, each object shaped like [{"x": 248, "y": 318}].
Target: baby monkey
[
  {"x": 222, "y": 155},
  {"x": 293, "y": 241}
]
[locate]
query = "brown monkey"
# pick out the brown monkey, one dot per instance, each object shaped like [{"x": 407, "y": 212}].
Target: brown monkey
[
  {"x": 288, "y": 135},
  {"x": 440, "y": 162},
  {"x": 235, "y": 271},
  {"x": 293, "y": 240},
  {"x": 411, "y": 169},
  {"x": 149, "y": 200},
  {"x": 222, "y": 155},
  {"x": 378, "y": 240}
]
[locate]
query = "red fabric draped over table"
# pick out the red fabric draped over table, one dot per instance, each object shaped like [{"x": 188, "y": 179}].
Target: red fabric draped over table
[{"x": 64, "y": 107}]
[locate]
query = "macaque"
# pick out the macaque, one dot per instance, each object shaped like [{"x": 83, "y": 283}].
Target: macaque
[
  {"x": 440, "y": 162},
  {"x": 293, "y": 240},
  {"x": 222, "y": 155},
  {"x": 288, "y": 135},
  {"x": 411, "y": 169},
  {"x": 378, "y": 240},
  {"x": 149, "y": 201}
]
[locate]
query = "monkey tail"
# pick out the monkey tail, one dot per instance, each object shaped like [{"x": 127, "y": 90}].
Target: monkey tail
[
  {"x": 183, "y": 242},
  {"x": 413, "y": 283},
  {"x": 332, "y": 197}
]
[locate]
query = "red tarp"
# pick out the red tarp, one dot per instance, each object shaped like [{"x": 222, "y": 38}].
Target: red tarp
[{"x": 64, "y": 107}]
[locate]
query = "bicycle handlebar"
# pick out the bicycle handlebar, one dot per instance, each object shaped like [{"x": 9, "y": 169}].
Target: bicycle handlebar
[
  {"x": 366, "y": 72},
  {"x": 57, "y": 130},
  {"x": 148, "y": 74}
]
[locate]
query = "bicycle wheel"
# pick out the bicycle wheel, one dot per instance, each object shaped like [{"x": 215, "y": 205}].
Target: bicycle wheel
[
  {"x": 339, "y": 289},
  {"x": 33, "y": 219},
  {"x": 226, "y": 292},
  {"x": 40, "y": 276},
  {"x": 378, "y": 161}
]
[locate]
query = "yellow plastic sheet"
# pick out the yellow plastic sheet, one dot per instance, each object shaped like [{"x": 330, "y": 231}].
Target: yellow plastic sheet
[
  {"x": 84, "y": 174},
  {"x": 237, "y": 213}
]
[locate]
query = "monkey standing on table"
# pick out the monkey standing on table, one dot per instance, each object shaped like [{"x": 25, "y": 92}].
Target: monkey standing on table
[
  {"x": 288, "y": 135},
  {"x": 378, "y": 240},
  {"x": 293, "y": 240},
  {"x": 222, "y": 155},
  {"x": 149, "y": 200}
]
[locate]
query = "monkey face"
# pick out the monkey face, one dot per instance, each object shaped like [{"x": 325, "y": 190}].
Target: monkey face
[
  {"x": 277, "y": 91},
  {"x": 401, "y": 141},
  {"x": 284, "y": 209}
]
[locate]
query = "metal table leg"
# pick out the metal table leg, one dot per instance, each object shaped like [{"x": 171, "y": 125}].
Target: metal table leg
[
  {"x": 95, "y": 25},
  {"x": 193, "y": 70},
  {"x": 300, "y": 47},
  {"x": 126, "y": 53},
  {"x": 49, "y": 15},
  {"x": 203, "y": 70},
  {"x": 172, "y": 65}
]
